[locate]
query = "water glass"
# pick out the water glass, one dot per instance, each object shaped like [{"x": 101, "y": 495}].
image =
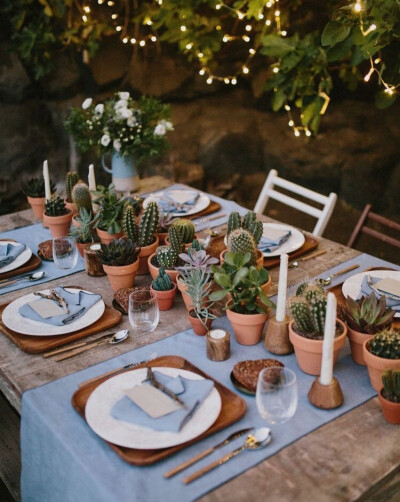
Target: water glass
[
  {"x": 65, "y": 252},
  {"x": 143, "y": 311},
  {"x": 276, "y": 394}
]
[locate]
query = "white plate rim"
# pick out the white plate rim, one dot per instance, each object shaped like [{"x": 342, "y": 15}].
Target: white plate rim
[
  {"x": 295, "y": 241},
  {"x": 20, "y": 260},
  {"x": 14, "y": 321},
  {"x": 101, "y": 422},
  {"x": 202, "y": 202}
]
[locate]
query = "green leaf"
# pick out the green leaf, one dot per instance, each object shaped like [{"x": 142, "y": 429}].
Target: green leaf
[
  {"x": 239, "y": 276},
  {"x": 275, "y": 46},
  {"x": 384, "y": 99},
  {"x": 334, "y": 33},
  {"x": 278, "y": 100},
  {"x": 223, "y": 280},
  {"x": 217, "y": 295},
  {"x": 312, "y": 105}
]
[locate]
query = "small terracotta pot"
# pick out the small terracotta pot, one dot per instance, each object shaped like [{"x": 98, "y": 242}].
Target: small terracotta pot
[
  {"x": 81, "y": 247},
  {"x": 391, "y": 410},
  {"x": 185, "y": 297},
  {"x": 247, "y": 328},
  {"x": 357, "y": 340},
  {"x": 309, "y": 352},
  {"x": 377, "y": 365},
  {"x": 259, "y": 263},
  {"x": 165, "y": 299},
  {"x": 72, "y": 207},
  {"x": 121, "y": 277},
  {"x": 161, "y": 237},
  {"x": 105, "y": 237},
  {"x": 187, "y": 246},
  {"x": 37, "y": 204},
  {"x": 172, "y": 273},
  {"x": 144, "y": 255},
  {"x": 198, "y": 327},
  {"x": 58, "y": 225}
]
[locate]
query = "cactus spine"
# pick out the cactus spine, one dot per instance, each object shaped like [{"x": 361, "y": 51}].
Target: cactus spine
[
  {"x": 186, "y": 229},
  {"x": 301, "y": 314},
  {"x": 162, "y": 282},
  {"x": 175, "y": 240},
  {"x": 318, "y": 313},
  {"x": 249, "y": 223},
  {"x": 129, "y": 224},
  {"x": 166, "y": 257},
  {"x": 148, "y": 224},
  {"x": 234, "y": 222},
  {"x": 386, "y": 344},
  {"x": 241, "y": 241},
  {"x": 81, "y": 196},
  {"x": 308, "y": 309},
  {"x": 71, "y": 180}
]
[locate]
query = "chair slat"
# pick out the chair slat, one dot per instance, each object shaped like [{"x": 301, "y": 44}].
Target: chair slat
[
  {"x": 305, "y": 192},
  {"x": 382, "y": 237},
  {"x": 297, "y": 204}
]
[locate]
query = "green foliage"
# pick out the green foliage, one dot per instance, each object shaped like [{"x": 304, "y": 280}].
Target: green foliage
[
  {"x": 111, "y": 207},
  {"x": 368, "y": 314},
  {"x": 81, "y": 196},
  {"x": 84, "y": 233},
  {"x": 55, "y": 207},
  {"x": 386, "y": 344},
  {"x": 185, "y": 228},
  {"x": 149, "y": 224},
  {"x": 119, "y": 252},
  {"x": 71, "y": 180},
  {"x": 162, "y": 281},
  {"x": 34, "y": 187},
  {"x": 391, "y": 385}
]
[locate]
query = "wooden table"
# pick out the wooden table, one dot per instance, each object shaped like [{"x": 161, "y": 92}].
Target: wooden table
[{"x": 355, "y": 457}]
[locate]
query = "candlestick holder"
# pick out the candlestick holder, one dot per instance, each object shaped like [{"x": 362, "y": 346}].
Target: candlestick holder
[
  {"x": 277, "y": 337},
  {"x": 218, "y": 345},
  {"x": 93, "y": 264},
  {"x": 326, "y": 397}
]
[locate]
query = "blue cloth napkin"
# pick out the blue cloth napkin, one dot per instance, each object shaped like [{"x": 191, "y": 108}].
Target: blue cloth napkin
[
  {"x": 168, "y": 204},
  {"x": 268, "y": 245},
  {"x": 9, "y": 252},
  {"x": 78, "y": 304},
  {"x": 192, "y": 393},
  {"x": 367, "y": 290}
]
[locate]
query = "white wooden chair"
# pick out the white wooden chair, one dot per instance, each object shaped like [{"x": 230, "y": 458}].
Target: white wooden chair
[{"x": 322, "y": 215}]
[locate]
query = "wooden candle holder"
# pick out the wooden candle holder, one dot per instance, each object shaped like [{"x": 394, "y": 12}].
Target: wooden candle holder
[
  {"x": 277, "y": 337},
  {"x": 218, "y": 344},
  {"x": 93, "y": 264},
  {"x": 326, "y": 397}
]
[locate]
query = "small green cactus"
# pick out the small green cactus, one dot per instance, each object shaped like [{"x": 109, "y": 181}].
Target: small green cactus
[
  {"x": 129, "y": 224},
  {"x": 391, "y": 385},
  {"x": 186, "y": 229},
  {"x": 55, "y": 207},
  {"x": 194, "y": 246},
  {"x": 71, "y": 180},
  {"x": 234, "y": 222},
  {"x": 166, "y": 257},
  {"x": 300, "y": 311},
  {"x": 249, "y": 223},
  {"x": 308, "y": 309},
  {"x": 81, "y": 196},
  {"x": 175, "y": 240},
  {"x": 162, "y": 282},
  {"x": 318, "y": 313},
  {"x": 386, "y": 344},
  {"x": 149, "y": 224},
  {"x": 312, "y": 290},
  {"x": 241, "y": 241}
]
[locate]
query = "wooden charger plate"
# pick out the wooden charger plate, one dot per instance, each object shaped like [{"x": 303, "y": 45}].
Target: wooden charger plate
[
  {"x": 233, "y": 408},
  {"x": 213, "y": 207},
  {"x": 33, "y": 263}
]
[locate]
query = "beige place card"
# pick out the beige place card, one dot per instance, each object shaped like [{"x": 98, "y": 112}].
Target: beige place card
[
  {"x": 46, "y": 308},
  {"x": 273, "y": 233},
  {"x": 388, "y": 286},
  {"x": 152, "y": 401}
]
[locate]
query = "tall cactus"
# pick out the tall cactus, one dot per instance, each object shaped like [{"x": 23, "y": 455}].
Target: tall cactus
[
  {"x": 175, "y": 240},
  {"x": 318, "y": 313},
  {"x": 186, "y": 229},
  {"x": 391, "y": 385},
  {"x": 81, "y": 196},
  {"x": 301, "y": 314},
  {"x": 241, "y": 241},
  {"x": 249, "y": 223},
  {"x": 148, "y": 224},
  {"x": 71, "y": 180},
  {"x": 234, "y": 222},
  {"x": 166, "y": 257},
  {"x": 129, "y": 223}
]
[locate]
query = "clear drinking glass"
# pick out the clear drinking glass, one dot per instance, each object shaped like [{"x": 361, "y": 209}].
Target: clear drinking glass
[
  {"x": 65, "y": 252},
  {"x": 143, "y": 311},
  {"x": 276, "y": 395}
]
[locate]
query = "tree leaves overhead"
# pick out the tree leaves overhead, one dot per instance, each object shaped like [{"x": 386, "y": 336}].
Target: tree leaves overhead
[{"x": 334, "y": 33}]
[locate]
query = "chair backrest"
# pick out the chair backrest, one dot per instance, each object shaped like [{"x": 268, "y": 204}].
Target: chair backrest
[
  {"x": 361, "y": 227},
  {"x": 322, "y": 215}
]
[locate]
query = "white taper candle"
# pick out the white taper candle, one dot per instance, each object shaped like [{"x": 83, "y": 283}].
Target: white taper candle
[
  {"x": 327, "y": 344},
  {"x": 46, "y": 177},
  {"x": 92, "y": 184},
  {"x": 282, "y": 287}
]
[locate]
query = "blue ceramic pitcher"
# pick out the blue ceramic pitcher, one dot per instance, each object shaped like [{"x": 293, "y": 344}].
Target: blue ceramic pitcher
[{"x": 124, "y": 173}]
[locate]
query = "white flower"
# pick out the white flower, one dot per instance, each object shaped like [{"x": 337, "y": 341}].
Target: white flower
[
  {"x": 160, "y": 130},
  {"x": 124, "y": 95},
  {"x": 131, "y": 122},
  {"x": 117, "y": 145},
  {"x": 122, "y": 103},
  {"x": 105, "y": 140},
  {"x": 167, "y": 124},
  {"x": 99, "y": 109},
  {"x": 87, "y": 103},
  {"x": 126, "y": 113}
]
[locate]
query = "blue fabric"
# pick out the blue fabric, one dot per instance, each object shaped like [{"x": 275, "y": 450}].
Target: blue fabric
[
  {"x": 192, "y": 394},
  {"x": 169, "y": 205},
  {"x": 77, "y": 303},
  {"x": 366, "y": 290},
  {"x": 63, "y": 460},
  {"x": 268, "y": 245},
  {"x": 8, "y": 253},
  {"x": 32, "y": 236}
]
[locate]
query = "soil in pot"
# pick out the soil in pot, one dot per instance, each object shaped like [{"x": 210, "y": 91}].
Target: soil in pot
[{"x": 197, "y": 326}]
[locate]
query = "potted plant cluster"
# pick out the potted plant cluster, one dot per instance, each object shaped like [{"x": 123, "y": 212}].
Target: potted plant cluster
[
  {"x": 306, "y": 329},
  {"x": 389, "y": 396},
  {"x": 120, "y": 260},
  {"x": 33, "y": 189},
  {"x": 364, "y": 318},
  {"x": 57, "y": 217},
  {"x": 71, "y": 179},
  {"x": 164, "y": 290},
  {"x": 381, "y": 353},
  {"x": 83, "y": 233},
  {"x": 108, "y": 219},
  {"x": 248, "y": 305}
]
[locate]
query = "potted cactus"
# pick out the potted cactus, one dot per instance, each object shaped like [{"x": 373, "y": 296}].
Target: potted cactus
[
  {"x": 33, "y": 189},
  {"x": 306, "y": 329},
  {"x": 242, "y": 241},
  {"x": 120, "y": 260},
  {"x": 186, "y": 231},
  {"x": 167, "y": 256},
  {"x": 71, "y": 180},
  {"x": 381, "y": 353},
  {"x": 164, "y": 223},
  {"x": 389, "y": 396},
  {"x": 364, "y": 318},
  {"x": 108, "y": 219},
  {"x": 83, "y": 234},
  {"x": 81, "y": 199},
  {"x": 57, "y": 217},
  {"x": 164, "y": 289}
]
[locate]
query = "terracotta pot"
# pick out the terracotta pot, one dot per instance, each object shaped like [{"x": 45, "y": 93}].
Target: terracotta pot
[
  {"x": 72, "y": 207},
  {"x": 259, "y": 263},
  {"x": 187, "y": 246},
  {"x": 58, "y": 225},
  {"x": 121, "y": 277},
  {"x": 105, "y": 237},
  {"x": 144, "y": 254},
  {"x": 309, "y": 352},
  {"x": 185, "y": 297},
  {"x": 37, "y": 204},
  {"x": 165, "y": 299},
  {"x": 391, "y": 410},
  {"x": 81, "y": 247},
  {"x": 377, "y": 365},
  {"x": 161, "y": 237},
  {"x": 173, "y": 274},
  {"x": 247, "y": 328},
  {"x": 357, "y": 340},
  {"x": 198, "y": 327}
]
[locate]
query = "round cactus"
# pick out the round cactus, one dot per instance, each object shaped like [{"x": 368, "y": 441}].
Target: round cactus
[
  {"x": 71, "y": 180},
  {"x": 175, "y": 240},
  {"x": 186, "y": 229},
  {"x": 149, "y": 224},
  {"x": 81, "y": 196},
  {"x": 234, "y": 222},
  {"x": 166, "y": 257},
  {"x": 318, "y": 313},
  {"x": 300, "y": 311},
  {"x": 386, "y": 344},
  {"x": 129, "y": 224},
  {"x": 241, "y": 241},
  {"x": 312, "y": 290}
]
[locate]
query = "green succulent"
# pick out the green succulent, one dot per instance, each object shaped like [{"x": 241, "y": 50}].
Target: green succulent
[
  {"x": 129, "y": 223},
  {"x": 391, "y": 385},
  {"x": 386, "y": 344},
  {"x": 162, "y": 281},
  {"x": 34, "y": 187},
  {"x": 83, "y": 234},
  {"x": 111, "y": 208},
  {"x": 175, "y": 240},
  {"x": 55, "y": 207},
  {"x": 368, "y": 314},
  {"x": 118, "y": 252},
  {"x": 166, "y": 257}
]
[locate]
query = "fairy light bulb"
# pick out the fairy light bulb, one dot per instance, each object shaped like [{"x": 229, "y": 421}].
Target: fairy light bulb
[
  {"x": 370, "y": 29},
  {"x": 225, "y": 38},
  {"x": 142, "y": 43},
  {"x": 114, "y": 16},
  {"x": 133, "y": 41},
  {"x": 291, "y": 123},
  {"x": 277, "y": 13},
  {"x": 118, "y": 28},
  {"x": 287, "y": 108},
  {"x": 389, "y": 90},
  {"x": 268, "y": 22},
  {"x": 209, "y": 80},
  {"x": 239, "y": 14},
  {"x": 276, "y": 69},
  {"x": 248, "y": 27},
  {"x": 297, "y": 132},
  {"x": 189, "y": 46},
  {"x": 153, "y": 38},
  {"x": 245, "y": 69},
  {"x": 246, "y": 38},
  {"x": 252, "y": 51},
  {"x": 125, "y": 40},
  {"x": 357, "y": 6},
  {"x": 100, "y": 2},
  {"x": 183, "y": 28},
  {"x": 269, "y": 4},
  {"x": 260, "y": 16},
  {"x": 284, "y": 33},
  {"x": 234, "y": 81},
  {"x": 86, "y": 9},
  {"x": 200, "y": 55},
  {"x": 202, "y": 71},
  {"x": 226, "y": 80},
  {"x": 84, "y": 18},
  {"x": 218, "y": 6},
  {"x": 308, "y": 133},
  {"x": 368, "y": 75},
  {"x": 110, "y": 3}
]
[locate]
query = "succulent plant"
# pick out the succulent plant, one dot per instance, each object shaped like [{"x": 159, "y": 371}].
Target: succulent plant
[
  {"x": 34, "y": 187},
  {"x": 241, "y": 241},
  {"x": 83, "y": 233},
  {"x": 368, "y": 314},
  {"x": 111, "y": 208},
  {"x": 149, "y": 224},
  {"x": 164, "y": 221},
  {"x": 55, "y": 207},
  {"x": 129, "y": 223},
  {"x": 386, "y": 344},
  {"x": 175, "y": 240},
  {"x": 71, "y": 180},
  {"x": 195, "y": 246},
  {"x": 249, "y": 223},
  {"x": 166, "y": 257},
  {"x": 81, "y": 196},
  {"x": 199, "y": 285},
  {"x": 308, "y": 309},
  {"x": 162, "y": 281},
  {"x": 185, "y": 228},
  {"x": 391, "y": 385},
  {"x": 119, "y": 252},
  {"x": 198, "y": 259}
]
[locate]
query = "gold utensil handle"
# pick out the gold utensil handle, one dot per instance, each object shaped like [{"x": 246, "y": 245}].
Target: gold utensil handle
[
  {"x": 188, "y": 463},
  {"x": 63, "y": 349},
  {"x": 9, "y": 283},
  {"x": 348, "y": 269},
  {"x": 314, "y": 255},
  {"x": 79, "y": 351},
  {"x": 212, "y": 466}
]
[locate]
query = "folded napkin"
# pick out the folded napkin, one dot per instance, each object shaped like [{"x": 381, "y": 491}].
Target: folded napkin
[
  {"x": 269, "y": 243},
  {"x": 366, "y": 290},
  {"x": 8, "y": 253},
  {"x": 191, "y": 392},
  {"x": 171, "y": 202},
  {"x": 78, "y": 304}
]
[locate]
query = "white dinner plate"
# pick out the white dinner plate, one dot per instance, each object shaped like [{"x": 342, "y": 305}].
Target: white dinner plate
[
  {"x": 295, "y": 241},
  {"x": 105, "y": 396},
  {"x": 15, "y": 321},
  {"x": 19, "y": 260},
  {"x": 182, "y": 195},
  {"x": 352, "y": 286}
]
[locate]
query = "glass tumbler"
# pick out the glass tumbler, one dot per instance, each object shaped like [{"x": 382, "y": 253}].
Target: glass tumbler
[
  {"x": 65, "y": 252},
  {"x": 143, "y": 312},
  {"x": 276, "y": 395}
]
